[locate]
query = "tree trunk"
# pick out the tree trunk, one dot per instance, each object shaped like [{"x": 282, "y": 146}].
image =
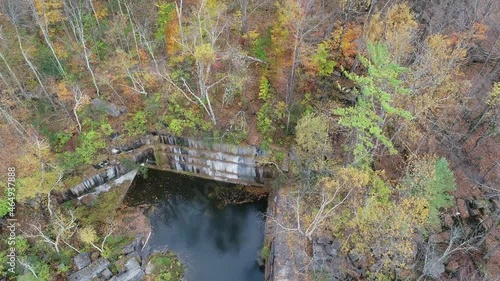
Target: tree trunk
[
  {"x": 12, "y": 74},
  {"x": 32, "y": 67},
  {"x": 43, "y": 28}
]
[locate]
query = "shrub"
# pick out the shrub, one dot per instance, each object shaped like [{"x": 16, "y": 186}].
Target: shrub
[
  {"x": 99, "y": 212},
  {"x": 431, "y": 179},
  {"x": 47, "y": 62},
  {"x": 137, "y": 125},
  {"x": 90, "y": 142},
  {"x": 259, "y": 44},
  {"x": 41, "y": 269},
  {"x": 182, "y": 120},
  {"x": 4, "y": 203},
  {"x": 265, "y": 252},
  {"x": 114, "y": 246},
  {"x": 268, "y": 113},
  {"x": 322, "y": 60},
  {"x": 167, "y": 267},
  {"x": 152, "y": 107}
]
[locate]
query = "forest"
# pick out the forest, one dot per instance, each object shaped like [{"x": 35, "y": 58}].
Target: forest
[{"x": 381, "y": 119}]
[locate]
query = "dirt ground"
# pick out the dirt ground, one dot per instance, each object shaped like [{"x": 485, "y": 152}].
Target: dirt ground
[{"x": 132, "y": 221}]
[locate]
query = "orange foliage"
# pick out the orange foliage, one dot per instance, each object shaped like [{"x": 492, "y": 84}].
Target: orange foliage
[
  {"x": 63, "y": 92},
  {"x": 53, "y": 10},
  {"x": 479, "y": 31},
  {"x": 348, "y": 43},
  {"x": 144, "y": 57},
  {"x": 132, "y": 99},
  {"x": 396, "y": 29},
  {"x": 172, "y": 35},
  {"x": 100, "y": 10},
  {"x": 476, "y": 34}
]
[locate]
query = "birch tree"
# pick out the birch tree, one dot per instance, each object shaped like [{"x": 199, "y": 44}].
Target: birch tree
[
  {"x": 11, "y": 72},
  {"x": 89, "y": 236},
  {"x": 32, "y": 66},
  {"x": 40, "y": 13},
  {"x": 375, "y": 107},
  {"x": 58, "y": 231},
  {"x": 296, "y": 20},
  {"x": 74, "y": 12},
  {"x": 199, "y": 36},
  {"x": 308, "y": 213}
]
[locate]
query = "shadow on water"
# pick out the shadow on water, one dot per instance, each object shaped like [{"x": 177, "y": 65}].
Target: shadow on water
[{"x": 215, "y": 242}]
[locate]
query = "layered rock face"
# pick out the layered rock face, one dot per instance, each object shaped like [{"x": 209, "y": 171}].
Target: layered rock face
[
  {"x": 223, "y": 162},
  {"x": 237, "y": 164}
]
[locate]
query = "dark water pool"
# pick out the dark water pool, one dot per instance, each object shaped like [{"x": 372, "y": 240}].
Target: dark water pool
[{"x": 215, "y": 242}]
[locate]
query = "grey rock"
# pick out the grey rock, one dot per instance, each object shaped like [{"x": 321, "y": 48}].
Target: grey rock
[
  {"x": 129, "y": 248},
  {"x": 149, "y": 268},
  {"x": 114, "y": 136},
  {"x": 463, "y": 208},
  {"x": 133, "y": 273},
  {"x": 132, "y": 264},
  {"x": 323, "y": 240},
  {"x": 336, "y": 73},
  {"x": 336, "y": 244},
  {"x": 318, "y": 250},
  {"x": 129, "y": 147},
  {"x": 361, "y": 272},
  {"x": 91, "y": 271},
  {"x": 110, "y": 108},
  {"x": 353, "y": 257},
  {"x": 106, "y": 274},
  {"x": 147, "y": 251},
  {"x": 135, "y": 256},
  {"x": 330, "y": 250},
  {"x": 82, "y": 260},
  {"x": 434, "y": 267},
  {"x": 320, "y": 256}
]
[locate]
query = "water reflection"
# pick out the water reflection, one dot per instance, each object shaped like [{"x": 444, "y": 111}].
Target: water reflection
[{"x": 219, "y": 244}]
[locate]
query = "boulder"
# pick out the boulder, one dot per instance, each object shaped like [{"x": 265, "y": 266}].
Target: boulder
[
  {"x": 330, "y": 250},
  {"x": 440, "y": 238},
  {"x": 472, "y": 208},
  {"x": 324, "y": 241},
  {"x": 462, "y": 208},
  {"x": 91, "y": 271},
  {"x": 448, "y": 221},
  {"x": 150, "y": 267},
  {"x": 452, "y": 266},
  {"x": 106, "y": 274},
  {"x": 110, "y": 108},
  {"x": 353, "y": 257},
  {"x": 336, "y": 244},
  {"x": 132, "y": 264},
  {"x": 434, "y": 267},
  {"x": 133, "y": 273},
  {"x": 81, "y": 260},
  {"x": 88, "y": 199},
  {"x": 120, "y": 264},
  {"x": 114, "y": 136},
  {"x": 129, "y": 248}
]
